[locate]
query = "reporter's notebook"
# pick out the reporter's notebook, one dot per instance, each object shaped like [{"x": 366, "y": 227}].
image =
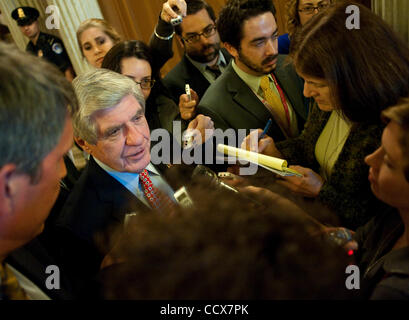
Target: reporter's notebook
[{"x": 273, "y": 164}]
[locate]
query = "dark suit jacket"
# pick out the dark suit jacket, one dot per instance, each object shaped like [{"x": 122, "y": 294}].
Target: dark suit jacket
[
  {"x": 185, "y": 72},
  {"x": 97, "y": 205},
  {"x": 32, "y": 261},
  {"x": 232, "y": 104}
]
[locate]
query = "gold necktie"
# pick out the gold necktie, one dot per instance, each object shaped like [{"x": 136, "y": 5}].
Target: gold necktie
[
  {"x": 274, "y": 102},
  {"x": 9, "y": 286}
]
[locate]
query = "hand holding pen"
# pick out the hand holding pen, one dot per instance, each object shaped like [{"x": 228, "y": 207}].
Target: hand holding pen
[
  {"x": 259, "y": 141},
  {"x": 266, "y": 128}
]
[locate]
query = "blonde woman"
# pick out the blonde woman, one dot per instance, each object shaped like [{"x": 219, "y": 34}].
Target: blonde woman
[{"x": 95, "y": 38}]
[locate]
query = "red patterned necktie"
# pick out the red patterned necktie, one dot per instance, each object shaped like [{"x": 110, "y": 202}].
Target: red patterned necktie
[{"x": 157, "y": 199}]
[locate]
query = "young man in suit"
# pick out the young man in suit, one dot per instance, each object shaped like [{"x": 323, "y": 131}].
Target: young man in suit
[
  {"x": 119, "y": 178},
  {"x": 257, "y": 85},
  {"x": 36, "y": 107},
  {"x": 204, "y": 59}
]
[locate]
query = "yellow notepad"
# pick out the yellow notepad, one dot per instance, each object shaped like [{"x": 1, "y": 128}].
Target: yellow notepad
[{"x": 276, "y": 165}]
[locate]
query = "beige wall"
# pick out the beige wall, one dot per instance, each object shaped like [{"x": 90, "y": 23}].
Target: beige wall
[
  {"x": 396, "y": 13},
  {"x": 136, "y": 20}
]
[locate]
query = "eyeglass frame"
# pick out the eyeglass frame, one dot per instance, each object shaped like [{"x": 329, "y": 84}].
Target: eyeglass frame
[
  {"x": 203, "y": 33},
  {"x": 150, "y": 81},
  {"x": 319, "y": 8}
]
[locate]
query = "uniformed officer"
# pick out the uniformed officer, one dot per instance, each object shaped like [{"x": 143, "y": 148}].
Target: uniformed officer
[{"x": 42, "y": 44}]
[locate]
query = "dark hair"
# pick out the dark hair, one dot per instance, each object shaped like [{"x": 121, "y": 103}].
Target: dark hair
[
  {"x": 235, "y": 13},
  {"x": 194, "y": 6},
  {"x": 139, "y": 50},
  {"x": 223, "y": 248},
  {"x": 35, "y": 100},
  {"x": 128, "y": 49},
  {"x": 367, "y": 69}
]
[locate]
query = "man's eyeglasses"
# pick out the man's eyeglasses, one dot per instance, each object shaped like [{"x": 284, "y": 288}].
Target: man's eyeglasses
[
  {"x": 146, "y": 83},
  {"x": 311, "y": 9},
  {"x": 207, "y": 33}
]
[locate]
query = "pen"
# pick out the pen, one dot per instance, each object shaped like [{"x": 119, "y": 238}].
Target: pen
[{"x": 268, "y": 125}]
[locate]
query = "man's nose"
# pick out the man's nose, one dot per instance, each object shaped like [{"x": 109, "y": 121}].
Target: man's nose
[
  {"x": 272, "y": 47},
  {"x": 133, "y": 135}
]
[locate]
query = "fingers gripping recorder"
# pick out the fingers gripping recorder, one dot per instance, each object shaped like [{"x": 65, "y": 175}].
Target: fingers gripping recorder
[{"x": 178, "y": 20}]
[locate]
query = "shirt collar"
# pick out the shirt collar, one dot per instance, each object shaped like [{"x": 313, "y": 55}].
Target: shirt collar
[
  {"x": 252, "y": 81},
  {"x": 126, "y": 177},
  {"x": 221, "y": 61}
]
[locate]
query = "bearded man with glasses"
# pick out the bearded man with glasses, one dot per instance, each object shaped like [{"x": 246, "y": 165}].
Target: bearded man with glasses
[{"x": 204, "y": 59}]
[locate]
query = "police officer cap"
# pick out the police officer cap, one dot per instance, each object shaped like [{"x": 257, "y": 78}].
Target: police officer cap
[{"x": 25, "y": 15}]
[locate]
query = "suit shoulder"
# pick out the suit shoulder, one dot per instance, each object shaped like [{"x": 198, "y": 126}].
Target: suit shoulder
[
  {"x": 177, "y": 71},
  {"x": 218, "y": 90},
  {"x": 82, "y": 196}
]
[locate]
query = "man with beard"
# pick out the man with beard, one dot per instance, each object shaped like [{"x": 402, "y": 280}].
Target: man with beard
[
  {"x": 257, "y": 85},
  {"x": 204, "y": 60}
]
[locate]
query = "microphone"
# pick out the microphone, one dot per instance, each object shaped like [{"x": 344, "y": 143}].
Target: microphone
[{"x": 208, "y": 175}]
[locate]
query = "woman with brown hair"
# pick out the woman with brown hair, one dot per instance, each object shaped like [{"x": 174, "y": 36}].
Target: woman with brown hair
[
  {"x": 299, "y": 12},
  {"x": 353, "y": 75}
]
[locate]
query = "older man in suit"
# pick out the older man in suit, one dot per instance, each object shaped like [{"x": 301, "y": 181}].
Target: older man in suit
[
  {"x": 257, "y": 85},
  {"x": 36, "y": 106},
  {"x": 119, "y": 178}
]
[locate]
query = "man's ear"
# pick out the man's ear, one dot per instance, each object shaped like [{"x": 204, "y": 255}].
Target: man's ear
[
  {"x": 83, "y": 144},
  {"x": 7, "y": 173},
  {"x": 232, "y": 50}
]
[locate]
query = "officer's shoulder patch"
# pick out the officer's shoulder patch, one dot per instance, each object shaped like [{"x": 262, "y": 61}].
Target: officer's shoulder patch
[{"x": 57, "y": 48}]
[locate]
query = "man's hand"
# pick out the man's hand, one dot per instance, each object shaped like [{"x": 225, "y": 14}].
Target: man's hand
[
  {"x": 308, "y": 186},
  {"x": 265, "y": 145},
  {"x": 187, "y": 107},
  {"x": 203, "y": 127},
  {"x": 168, "y": 13}
]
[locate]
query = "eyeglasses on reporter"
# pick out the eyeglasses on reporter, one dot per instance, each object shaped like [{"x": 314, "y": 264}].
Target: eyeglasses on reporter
[
  {"x": 311, "y": 9},
  {"x": 207, "y": 33},
  {"x": 146, "y": 83}
]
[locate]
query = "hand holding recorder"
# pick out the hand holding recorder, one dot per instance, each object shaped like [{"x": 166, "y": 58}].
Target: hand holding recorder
[
  {"x": 173, "y": 11},
  {"x": 187, "y": 103}
]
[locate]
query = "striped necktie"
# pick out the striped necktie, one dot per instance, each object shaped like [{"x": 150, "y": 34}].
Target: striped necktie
[
  {"x": 275, "y": 105},
  {"x": 215, "y": 70},
  {"x": 10, "y": 289},
  {"x": 157, "y": 199}
]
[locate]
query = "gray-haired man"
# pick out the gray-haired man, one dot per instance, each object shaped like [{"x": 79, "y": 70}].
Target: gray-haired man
[
  {"x": 119, "y": 178},
  {"x": 36, "y": 105}
]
